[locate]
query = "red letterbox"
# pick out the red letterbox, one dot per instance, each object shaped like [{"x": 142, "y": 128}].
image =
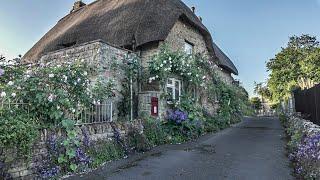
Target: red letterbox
[{"x": 154, "y": 106}]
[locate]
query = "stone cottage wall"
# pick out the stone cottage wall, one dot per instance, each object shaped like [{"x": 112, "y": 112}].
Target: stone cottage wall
[
  {"x": 224, "y": 75},
  {"x": 179, "y": 34}
]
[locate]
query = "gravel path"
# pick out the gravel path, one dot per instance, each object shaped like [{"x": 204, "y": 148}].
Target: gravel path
[{"x": 253, "y": 149}]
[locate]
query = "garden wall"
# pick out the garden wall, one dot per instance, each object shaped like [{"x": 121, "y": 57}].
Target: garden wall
[
  {"x": 304, "y": 146},
  {"x": 23, "y": 168}
]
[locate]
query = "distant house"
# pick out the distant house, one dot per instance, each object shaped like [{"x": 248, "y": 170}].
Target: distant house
[{"x": 133, "y": 25}]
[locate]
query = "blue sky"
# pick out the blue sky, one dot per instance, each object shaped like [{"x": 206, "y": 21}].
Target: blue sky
[{"x": 250, "y": 32}]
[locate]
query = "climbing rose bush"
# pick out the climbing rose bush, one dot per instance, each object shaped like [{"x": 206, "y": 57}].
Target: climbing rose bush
[{"x": 186, "y": 66}]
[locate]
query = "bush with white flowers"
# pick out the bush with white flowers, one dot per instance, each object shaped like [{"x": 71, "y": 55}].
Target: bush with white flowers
[
  {"x": 43, "y": 96},
  {"x": 186, "y": 66}
]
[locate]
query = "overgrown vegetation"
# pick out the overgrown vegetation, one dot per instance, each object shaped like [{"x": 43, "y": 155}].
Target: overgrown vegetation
[
  {"x": 303, "y": 146},
  {"x": 189, "y": 118}
]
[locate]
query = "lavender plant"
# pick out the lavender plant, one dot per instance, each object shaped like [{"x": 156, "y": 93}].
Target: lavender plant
[
  {"x": 177, "y": 116},
  {"x": 307, "y": 158}
]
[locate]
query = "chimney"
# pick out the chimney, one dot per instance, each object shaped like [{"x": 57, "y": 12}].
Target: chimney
[
  {"x": 77, "y": 5},
  {"x": 193, "y": 9}
]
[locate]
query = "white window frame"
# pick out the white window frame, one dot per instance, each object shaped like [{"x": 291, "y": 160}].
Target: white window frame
[
  {"x": 173, "y": 87},
  {"x": 188, "y": 48}
]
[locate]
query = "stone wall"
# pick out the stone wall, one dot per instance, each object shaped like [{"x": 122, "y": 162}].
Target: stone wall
[
  {"x": 224, "y": 75},
  {"x": 22, "y": 168}
]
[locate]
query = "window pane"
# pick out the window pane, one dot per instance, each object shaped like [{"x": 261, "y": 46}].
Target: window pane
[
  {"x": 177, "y": 94},
  {"x": 169, "y": 81},
  {"x": 188, "y": 48},
  {"x": 170, "y": 95},
  {"x": 177, "y": 85}
]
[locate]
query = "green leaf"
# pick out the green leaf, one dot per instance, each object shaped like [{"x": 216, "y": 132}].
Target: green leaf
[
  {"x": 68, "y": 124},
  {"x": 66, "y": 142},
  {"x": 62, "y": 159},
  {"x": 73, "y": 167},
  {"x": 71, "y": 153}
]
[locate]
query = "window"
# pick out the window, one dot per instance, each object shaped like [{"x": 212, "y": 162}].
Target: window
[
  {"x": 173, "y": 90},
  {"x": 188, "y": 48}
]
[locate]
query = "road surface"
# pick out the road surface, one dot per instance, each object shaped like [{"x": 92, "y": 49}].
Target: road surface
[{"x": 253, "y": 149}]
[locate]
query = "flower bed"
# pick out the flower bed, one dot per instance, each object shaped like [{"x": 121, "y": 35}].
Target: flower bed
[{"x": 304, "y": 147}]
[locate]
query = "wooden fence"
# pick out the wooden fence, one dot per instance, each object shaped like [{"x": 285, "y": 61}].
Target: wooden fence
[{"x": 307, "y": 102}]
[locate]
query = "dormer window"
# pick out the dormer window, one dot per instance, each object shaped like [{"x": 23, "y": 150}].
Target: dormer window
[{"x": 188, "y": 48}]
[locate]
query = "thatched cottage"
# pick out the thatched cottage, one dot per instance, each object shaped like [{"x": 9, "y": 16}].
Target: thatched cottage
[{"x": 119, "y": 26}]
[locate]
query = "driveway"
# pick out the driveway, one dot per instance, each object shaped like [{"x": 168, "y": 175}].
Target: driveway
[{"x": 253, "y": 149}]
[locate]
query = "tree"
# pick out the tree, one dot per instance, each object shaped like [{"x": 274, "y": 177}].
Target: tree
[
  {"x": 293, "y": 67},
  {"x": 256, "y": 103},
  {"x": 262, "y": 91}
]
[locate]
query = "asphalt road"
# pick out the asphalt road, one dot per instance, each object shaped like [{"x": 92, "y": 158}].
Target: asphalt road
[{"x": 253, "y": 149}]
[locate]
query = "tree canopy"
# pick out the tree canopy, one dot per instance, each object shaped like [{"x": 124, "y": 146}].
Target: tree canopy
[{"x": 295, "y": 66}]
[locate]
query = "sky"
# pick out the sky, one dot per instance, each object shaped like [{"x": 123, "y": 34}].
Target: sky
[{"x": 250, "y": 32}]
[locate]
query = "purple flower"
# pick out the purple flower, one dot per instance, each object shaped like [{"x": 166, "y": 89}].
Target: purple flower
[
  {"x": 86, "y": 139},
  {"x": 177, "y": 116},
  {"x": 82, "y": 157},
  {"x": 49, "y": 172}
]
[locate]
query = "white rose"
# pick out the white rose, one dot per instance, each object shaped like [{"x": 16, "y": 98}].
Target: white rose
[
  {"x": 85, "y": 73},
  {"x": 10, "y": 83},
  {"x": 50, "y": 98},
  {"x": 13, "y": 94},
  {"x": 3, "y": 94},
  {"x": 51, "y": 75}
]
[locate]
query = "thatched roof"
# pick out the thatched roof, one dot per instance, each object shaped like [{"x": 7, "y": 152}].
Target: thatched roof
[
  {"x": 224, "y": 60},
  {"x": 118, "y": 22}
]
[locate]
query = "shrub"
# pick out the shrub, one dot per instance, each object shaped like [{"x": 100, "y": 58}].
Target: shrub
[{"x": 104, "y": 151}]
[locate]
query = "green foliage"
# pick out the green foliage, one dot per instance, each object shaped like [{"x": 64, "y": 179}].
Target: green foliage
[
  {"x": 102, "y": 152},
  {"x": 18, "y": 131},
  {"x": 130, "y": 70},
  {"x": 70, "y": 145},
  {"x": 295, "y": 66},
  {"x": 256, "y": 103},
  {"x": 154, "y": 132}
]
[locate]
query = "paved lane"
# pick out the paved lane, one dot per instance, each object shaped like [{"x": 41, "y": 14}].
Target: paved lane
[{"x": 253, "y": 149}]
